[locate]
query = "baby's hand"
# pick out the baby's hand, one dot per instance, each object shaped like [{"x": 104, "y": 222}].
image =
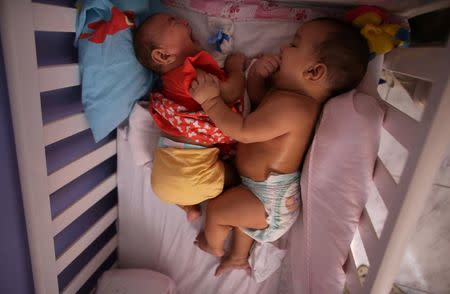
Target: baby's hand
[
  {"x": 292, "y": 203},
  {"x": 205, "y": 87},
  {"x": 235, "y": 62},
  {"x": 266, "y": 65}
]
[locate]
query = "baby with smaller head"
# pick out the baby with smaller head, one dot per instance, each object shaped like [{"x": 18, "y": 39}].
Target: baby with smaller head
[
  {"x": 186, "y": 165},
  {"x": 164, "y": 41},
  {"x": 325, "y": 58}
]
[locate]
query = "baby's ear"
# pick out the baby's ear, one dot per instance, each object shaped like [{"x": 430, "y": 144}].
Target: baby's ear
[
  {"x": 160, "y": 56},
  {"x": 316, "y": 72}
]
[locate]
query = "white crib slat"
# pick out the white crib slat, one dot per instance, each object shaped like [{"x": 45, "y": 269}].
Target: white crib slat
[
  {"x": 53, "y": 18},
  {"x": 417, "y": 179},
  {"x": 87, "y": 201},
  {"x": 368, "y": 235},
  {"x": 65, "y": 127},
  {"x": 401, "y": 126},
  {"x": 19, "y": 49},
  {"x": 81, "y": 244},
  {"x": 352, "y": 280},
  {"x": 425, "y": 7},
  {"x": 53, "y": 77},
  {"x": 91, "y": 267},
  {"x": 385, "y": 183},
  {"x": 78, "y": 167},
  {"x": 423, "y": 63}
]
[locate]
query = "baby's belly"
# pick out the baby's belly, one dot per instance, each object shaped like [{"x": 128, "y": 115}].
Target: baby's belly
[{"x": 258, "y": 160}]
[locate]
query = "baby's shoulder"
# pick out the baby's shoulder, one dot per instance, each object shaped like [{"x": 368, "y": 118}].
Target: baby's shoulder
[
  {"x": 292, "y": 107},
  {"x": 291, "y": 100}
]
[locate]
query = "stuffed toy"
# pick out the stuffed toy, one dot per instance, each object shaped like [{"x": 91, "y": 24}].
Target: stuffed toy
[
  {"x": 381, "y": 35},
  {"x": 221, "y": 38}
]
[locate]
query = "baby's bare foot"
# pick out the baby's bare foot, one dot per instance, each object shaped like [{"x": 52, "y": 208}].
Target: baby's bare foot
[
  {"x": 193, "y": 212},
  {"x": 201, "y": 242},
  {"x": 230, "y": 263}
]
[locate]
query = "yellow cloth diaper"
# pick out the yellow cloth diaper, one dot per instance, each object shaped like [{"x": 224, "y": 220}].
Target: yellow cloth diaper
[{"x": 187, "y": 176}]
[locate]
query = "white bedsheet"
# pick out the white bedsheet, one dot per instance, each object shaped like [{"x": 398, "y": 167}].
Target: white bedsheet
[{"x": 157, "y": 236}]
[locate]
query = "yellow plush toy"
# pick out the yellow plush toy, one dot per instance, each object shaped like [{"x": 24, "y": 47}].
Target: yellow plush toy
[{"x": 381, "y": 37}]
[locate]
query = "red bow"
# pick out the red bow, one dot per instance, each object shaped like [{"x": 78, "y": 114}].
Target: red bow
[{"x": 119, "y": 21}]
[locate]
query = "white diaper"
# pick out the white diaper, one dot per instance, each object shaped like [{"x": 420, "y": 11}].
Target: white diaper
[{"x": 276, "y": 193}]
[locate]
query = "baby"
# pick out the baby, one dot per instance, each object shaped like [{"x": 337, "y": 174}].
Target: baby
[
  {"x": 326, "y": 57},
  {"x": 186, "y": 166}
]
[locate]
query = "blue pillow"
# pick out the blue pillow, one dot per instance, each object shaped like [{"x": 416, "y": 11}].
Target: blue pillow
[{"x": 112, "y": 79}]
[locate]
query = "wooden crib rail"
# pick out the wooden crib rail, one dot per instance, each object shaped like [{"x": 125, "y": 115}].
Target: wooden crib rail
[
  {"x": 26, "y": 82},
  {"x": 385, "y": 183},
  {"x": 58, "y": 76},
  {"x": 401, "y": 126},
  {"x": 64, "y": 127},
  {"x": 426, "y": 142},
  {"x": 87, "y": 201},
  {"x": 53, "y": 18},
  {"x": 70, "y": 172},
  {"x": 21, "y": 65},
  {"x": 91, "y": 267}
]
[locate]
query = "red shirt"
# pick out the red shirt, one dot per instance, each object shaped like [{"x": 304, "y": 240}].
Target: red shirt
[
  {"x": 177, "y": 113},
  {"x": 176, "y": 83}
]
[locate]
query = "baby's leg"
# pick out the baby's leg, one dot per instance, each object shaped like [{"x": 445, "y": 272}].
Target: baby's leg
[
  {"x": 238, "y": 257},
  {"x": 193, "y": 212},
  {"x": 236, "y": 207}
]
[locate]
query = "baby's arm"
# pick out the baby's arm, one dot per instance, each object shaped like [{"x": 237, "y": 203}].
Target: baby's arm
[
  {"x": 234, "y": 87},
  {"x": 258, "y": 82},
  {"x": 270, "y": 121}
]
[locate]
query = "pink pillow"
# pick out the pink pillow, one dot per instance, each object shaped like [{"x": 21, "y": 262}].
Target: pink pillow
[{"x": 335, "y": 186}]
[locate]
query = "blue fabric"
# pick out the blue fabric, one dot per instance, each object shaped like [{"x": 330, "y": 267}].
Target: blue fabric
[
  {"x": 111, "y": 77},
  {"x": 217, "y": 39}
]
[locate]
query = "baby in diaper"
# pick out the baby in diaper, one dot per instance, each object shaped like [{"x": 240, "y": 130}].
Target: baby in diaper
[
  {"x": 326, "y": 57},
  {"x": 187, "y": 168}
]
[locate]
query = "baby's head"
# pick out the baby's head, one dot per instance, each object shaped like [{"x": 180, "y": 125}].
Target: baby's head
[
  {"x": 163, "y": 41},
  {"x": 327, "y": 57}
]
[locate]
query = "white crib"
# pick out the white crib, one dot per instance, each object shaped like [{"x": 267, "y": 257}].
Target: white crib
[{"x": 425, "y": 141}]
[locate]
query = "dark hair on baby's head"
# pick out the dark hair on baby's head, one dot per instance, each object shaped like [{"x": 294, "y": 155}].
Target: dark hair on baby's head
[
  {"x": 144, "y": 44},
  {"x": 345, "y": 53}
]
